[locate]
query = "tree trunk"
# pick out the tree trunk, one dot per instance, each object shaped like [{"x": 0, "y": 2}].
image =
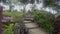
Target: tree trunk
[
  {"x": 1, "y": 9},
  {"x": 10, "y": 8}
]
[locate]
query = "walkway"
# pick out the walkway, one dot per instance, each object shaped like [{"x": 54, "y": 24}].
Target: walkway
[{"x": 33, "y": 27}]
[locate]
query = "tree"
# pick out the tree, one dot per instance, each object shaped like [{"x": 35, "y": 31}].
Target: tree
[
  {"x": 24, "y": 1},
  {"x": 1, "y": 9},
  {"x": 32, "y": 1},
  {"x": 3, "y": 1},
  {"x": 49, "y": 2},
  {"x": 10, "y": 4}
]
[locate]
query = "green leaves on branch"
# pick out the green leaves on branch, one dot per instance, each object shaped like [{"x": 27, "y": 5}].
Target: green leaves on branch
[
  {"x": 49, "y": 2},
  {"x": 27, "y": 1},
  {"x": 24, "y": 1}
]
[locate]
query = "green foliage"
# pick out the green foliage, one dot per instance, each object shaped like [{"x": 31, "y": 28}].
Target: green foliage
[
  {"x": 32, "y": 1},
  {"x": 44, "y": 23},
  {"x": 49, "y": 2},
  {"x": 15, "y": 15},
  {"x": 27, "y": 1},
  {"x": 24, "y": 1},
  {"x": 8, "y": 29},
  {"x": 44, "y": 20},
  {"x": 39, "y": 15}
]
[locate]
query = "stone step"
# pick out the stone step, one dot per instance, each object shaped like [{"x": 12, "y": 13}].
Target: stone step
[
  {"x": 27, "y": 21},
  {"x": 29, "y": 18},
  {"x": 31, "y": 25},
  {"x": 29, "y": 15},
  {"x": 37, "y": 31}
]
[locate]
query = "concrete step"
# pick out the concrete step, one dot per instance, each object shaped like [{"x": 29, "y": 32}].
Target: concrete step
[
  {"x": 31, "y": 25},
  {"x": 37, "y": 31}
]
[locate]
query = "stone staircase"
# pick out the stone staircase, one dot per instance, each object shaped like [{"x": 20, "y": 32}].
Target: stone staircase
[{"x": 33, "y": 27}]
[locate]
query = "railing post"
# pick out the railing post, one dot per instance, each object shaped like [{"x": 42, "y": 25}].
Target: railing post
[{"x": 1, "y": 9}]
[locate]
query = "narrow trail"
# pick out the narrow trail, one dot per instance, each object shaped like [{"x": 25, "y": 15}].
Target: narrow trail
[{"x": 33, "y": 27}]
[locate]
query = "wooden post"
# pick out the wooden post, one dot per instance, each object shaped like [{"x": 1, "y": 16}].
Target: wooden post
[{"x": 1, "y": 9}]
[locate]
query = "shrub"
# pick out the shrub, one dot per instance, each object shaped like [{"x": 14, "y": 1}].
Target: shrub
[
  {"x": 15, "y": 15},
  {"x": 45, "y": 20},
  {"x": 8, "y": 29}
]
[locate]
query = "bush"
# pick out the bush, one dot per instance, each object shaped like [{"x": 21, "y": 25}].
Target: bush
[
  {"x": 45, "y": 20},
  {"x": 15, "y": 15}
]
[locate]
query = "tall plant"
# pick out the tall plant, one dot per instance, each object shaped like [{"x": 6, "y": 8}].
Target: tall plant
[{"x": 8, "y": 29}]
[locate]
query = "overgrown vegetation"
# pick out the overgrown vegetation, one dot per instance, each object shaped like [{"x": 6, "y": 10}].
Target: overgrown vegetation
[
  {"x": 15, "y": 15},
  {"x": 44, "y": 20},
  {"x": 8, "y": 29}
]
